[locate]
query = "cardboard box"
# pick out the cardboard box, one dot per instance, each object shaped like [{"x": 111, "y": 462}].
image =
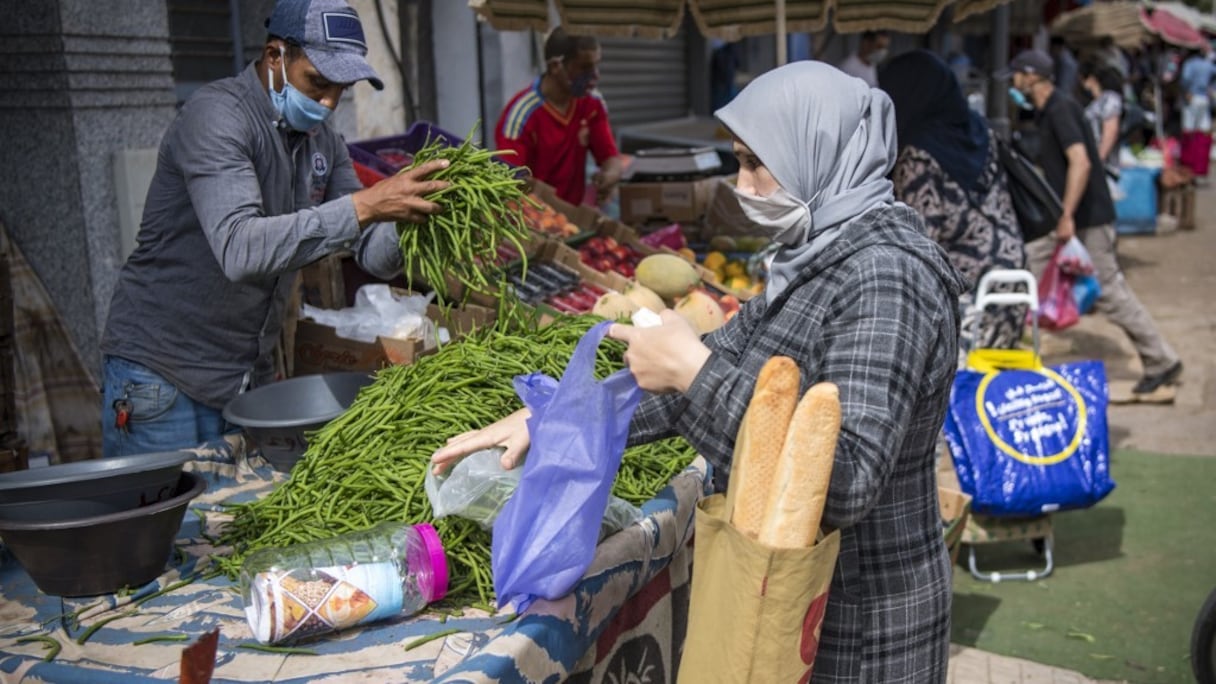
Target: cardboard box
[
  {"x": 671, "y": 201},
  {"x": 318, "y": 349},
  {"x": 321, "y": 282},
  {"x": 585, "y": 217}
]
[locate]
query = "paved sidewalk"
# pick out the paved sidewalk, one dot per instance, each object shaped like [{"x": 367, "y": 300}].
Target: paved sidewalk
[{"x": 973, "y": 666}]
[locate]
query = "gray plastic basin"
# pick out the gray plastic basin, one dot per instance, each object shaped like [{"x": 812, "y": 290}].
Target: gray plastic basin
[
  {"x": 85, "y": 488},
  {"x": 101, "y": 554},
  {"x": 276, "y": 416}
]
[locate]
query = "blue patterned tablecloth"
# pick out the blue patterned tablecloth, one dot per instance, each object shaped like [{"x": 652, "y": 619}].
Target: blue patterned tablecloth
[{"x": 624, "y": 621}]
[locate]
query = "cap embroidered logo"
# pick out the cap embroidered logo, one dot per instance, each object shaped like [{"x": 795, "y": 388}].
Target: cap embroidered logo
[{"x": 341, "y": 27}]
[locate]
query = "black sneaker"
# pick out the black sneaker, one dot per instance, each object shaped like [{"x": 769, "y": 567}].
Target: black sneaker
[{"x": 1149, "y": 383}]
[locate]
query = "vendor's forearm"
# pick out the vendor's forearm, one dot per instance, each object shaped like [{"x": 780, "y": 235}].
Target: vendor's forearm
[{"x": 612, "y": 168}]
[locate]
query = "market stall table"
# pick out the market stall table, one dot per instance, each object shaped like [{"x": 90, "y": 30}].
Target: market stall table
[{"x": 626, "y": 616}]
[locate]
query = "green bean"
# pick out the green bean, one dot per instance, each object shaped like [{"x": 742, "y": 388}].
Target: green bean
[
  {"x": 50, "y": 644},
  {"x": 88, "y": 633},
  {"x": 161, "y": 637},
  {"x": 284, "y": 650},
  {"x": 431, "y": 637},
  {"x": 482, "y": 207}
]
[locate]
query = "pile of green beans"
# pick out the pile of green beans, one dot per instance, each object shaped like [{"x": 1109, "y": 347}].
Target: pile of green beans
[
  {"x": 368, "y": 465},
  {"x": 481, "y": 208}
]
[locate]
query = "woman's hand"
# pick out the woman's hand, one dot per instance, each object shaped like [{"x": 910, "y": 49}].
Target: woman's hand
[
  {"x": 510, "y": 432},
  {"x": 665, "y": 358}
]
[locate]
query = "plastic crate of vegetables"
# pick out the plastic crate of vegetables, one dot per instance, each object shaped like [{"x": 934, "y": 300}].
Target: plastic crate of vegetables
[{"x": 390, "y": 154}]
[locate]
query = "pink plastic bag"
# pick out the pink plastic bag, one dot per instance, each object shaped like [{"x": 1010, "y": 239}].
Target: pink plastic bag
[
  {"x": 671, "y": 237},
  {"x": 1057, "y": 305},
  {"x": 1074, "y": 258}
]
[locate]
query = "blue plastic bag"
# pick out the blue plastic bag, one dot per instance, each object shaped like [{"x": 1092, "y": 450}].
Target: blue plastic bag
[
  {"x": 1085, "y": 289},
  {"x": 544, "y": 538},
  {"x": 1028, "y": 440}
]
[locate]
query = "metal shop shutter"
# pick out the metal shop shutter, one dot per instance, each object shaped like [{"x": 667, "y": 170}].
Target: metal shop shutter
[{"x": 644, "y": 80}]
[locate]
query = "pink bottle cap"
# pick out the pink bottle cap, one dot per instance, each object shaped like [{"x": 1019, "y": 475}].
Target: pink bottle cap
[{"x": 439, "y": 561}]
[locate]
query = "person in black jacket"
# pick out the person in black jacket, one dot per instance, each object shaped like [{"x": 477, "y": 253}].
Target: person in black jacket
[{"x": 1069, "y": 158}]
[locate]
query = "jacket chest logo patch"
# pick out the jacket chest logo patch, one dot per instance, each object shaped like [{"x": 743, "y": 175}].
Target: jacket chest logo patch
[{"x": 320, "y": 165}]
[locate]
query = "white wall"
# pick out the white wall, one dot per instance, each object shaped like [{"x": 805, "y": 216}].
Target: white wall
[{"x": 507, "y": 67}]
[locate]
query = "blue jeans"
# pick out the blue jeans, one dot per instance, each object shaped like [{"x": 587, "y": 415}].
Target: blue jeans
[{"x": 162, "y": 418}]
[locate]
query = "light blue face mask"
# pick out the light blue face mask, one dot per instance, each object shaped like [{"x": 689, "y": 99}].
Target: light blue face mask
[
  {"x": 298, "y": 110},
  {"x": 1019, "y": 99}
]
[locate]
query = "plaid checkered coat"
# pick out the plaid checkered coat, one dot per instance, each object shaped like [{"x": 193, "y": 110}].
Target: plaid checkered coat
[{"x": 876, "y": 315}]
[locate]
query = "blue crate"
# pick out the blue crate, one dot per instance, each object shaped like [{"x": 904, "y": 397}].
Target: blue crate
[
  {"x": 1136, "y": 213},
  {"x": 367, "y": 152}
]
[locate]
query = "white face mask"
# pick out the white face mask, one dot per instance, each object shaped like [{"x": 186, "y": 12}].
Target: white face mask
[
  {"x": 879, "y": 56},
  {"x": 784, "y": 218}
]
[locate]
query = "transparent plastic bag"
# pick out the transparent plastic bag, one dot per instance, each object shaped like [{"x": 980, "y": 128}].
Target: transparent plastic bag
[
  {"x": 379, "y": 312},
  {"x": 620, "y": 514},
  {"x": 1074, "y": 258},
  {"x": 477, "y": 488}
]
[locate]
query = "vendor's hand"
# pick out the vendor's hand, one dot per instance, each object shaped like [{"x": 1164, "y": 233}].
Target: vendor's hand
[
  {"x": 665, "y": 358},
  {"x": 1066, "y": 228},
  {"x": 401, "y": 197},
  {"x": 605, "y": 182},
  {"x": 510, "y": 432}
]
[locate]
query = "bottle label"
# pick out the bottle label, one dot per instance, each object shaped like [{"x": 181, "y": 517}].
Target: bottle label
[{"x": 303, "y": 602}]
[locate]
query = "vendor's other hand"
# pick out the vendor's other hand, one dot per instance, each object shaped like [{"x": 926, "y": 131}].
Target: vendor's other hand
[
  {"x": 665, "y": 358},
  {"x": 401, "y": 197},
  {"x": 510, "y": 432},
  {"x": 605, "y": 183}
]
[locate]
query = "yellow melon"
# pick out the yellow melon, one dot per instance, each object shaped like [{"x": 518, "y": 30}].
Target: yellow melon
[
  {"x": 644, "y": 297},
  {"x": 614, "y": 306},
  {"x": 667, "y": 275},
  {"x": 701, "y": 311}
]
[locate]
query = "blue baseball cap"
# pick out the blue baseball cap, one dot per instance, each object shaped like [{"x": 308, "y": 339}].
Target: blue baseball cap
[{"x": 330, "y": 33}]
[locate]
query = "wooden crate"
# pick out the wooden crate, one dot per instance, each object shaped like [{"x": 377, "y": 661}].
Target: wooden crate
[{"x": 1179, "y": 202}]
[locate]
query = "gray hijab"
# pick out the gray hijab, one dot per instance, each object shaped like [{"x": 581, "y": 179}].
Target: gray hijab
[{"x": 828, "y": 139}]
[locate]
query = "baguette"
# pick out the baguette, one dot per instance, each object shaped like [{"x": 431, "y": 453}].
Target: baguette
[
  {"x": 758, "y": 443},
  {"x": 804, "y": 471}
]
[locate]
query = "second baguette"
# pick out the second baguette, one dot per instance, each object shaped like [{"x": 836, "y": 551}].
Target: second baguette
[
  {"x": 804, "y": 471},
  {"x": 758, "y": 443}
]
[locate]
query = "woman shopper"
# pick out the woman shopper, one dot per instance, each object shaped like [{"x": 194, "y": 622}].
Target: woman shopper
[
  {"x": 1104, "y": 112},
  {"x": 857, "y": 296},
  {"x": 949, "y": 170}
]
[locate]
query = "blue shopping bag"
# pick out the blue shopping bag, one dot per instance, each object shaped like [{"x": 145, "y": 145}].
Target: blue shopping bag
[
  {"x": 544, "y": 539},
  {"x": 1085, "y": 289},
  {"x": 1027, "y": 439}
]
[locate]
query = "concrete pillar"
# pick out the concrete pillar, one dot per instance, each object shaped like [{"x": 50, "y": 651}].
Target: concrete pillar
[{"x": 83, "y": 80}]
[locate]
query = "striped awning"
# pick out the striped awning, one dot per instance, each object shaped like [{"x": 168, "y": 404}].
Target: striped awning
[
  {"x": 733, "y": 19},
  {"x": 1087, "y": 25},
  {"x": 605, "y": 18},
  {"x": 726, "y": 19}
]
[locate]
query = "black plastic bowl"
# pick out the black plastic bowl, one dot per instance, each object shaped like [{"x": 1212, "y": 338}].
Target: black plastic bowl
[
  {"x": 103, "y": 553},
  {"x": 90, "y": 488},
  {"x": 276, "y": 416}
]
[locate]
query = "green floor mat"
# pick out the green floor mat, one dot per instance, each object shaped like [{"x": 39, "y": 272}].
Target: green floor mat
[{"x": 1131, "y": 574}]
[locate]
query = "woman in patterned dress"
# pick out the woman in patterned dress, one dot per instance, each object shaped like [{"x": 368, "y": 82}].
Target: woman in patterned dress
[{"x": 948, "y": 170}]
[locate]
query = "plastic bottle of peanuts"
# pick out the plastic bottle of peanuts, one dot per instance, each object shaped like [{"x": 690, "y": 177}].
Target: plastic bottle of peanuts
[{"x": 295, "y": 592}]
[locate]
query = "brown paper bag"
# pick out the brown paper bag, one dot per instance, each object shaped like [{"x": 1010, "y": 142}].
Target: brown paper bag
[{"x": 755, "y": 612}]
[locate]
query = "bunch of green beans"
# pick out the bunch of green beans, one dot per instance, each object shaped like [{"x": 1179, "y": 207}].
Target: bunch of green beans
[
  {"x": 368, "y": 465},
  {"x": 481, "y": 208}
]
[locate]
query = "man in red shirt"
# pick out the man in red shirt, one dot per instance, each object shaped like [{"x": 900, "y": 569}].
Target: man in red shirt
[{"x": 552, "y": 123}]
